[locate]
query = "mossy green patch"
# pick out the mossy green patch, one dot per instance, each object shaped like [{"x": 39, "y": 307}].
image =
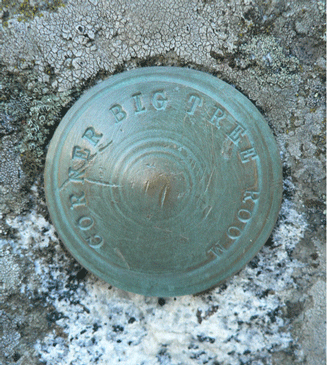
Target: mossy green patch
[{"x": 26, "y": 10}]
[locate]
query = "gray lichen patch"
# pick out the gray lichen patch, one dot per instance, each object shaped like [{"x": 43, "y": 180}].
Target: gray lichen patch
[
  {"x": 37, "y": 110},
  {"x": 86, "y": 37},
  {"x": 9, "y": 335},
  {"x": 44, "y": 112},
  {"x": 10, "y": 275},
  {"x": 269, "y": 58},
  {"x": 314, "y": 329},
  {"x": 28, "y": 112},
  {"x": 12, "y": 180}
]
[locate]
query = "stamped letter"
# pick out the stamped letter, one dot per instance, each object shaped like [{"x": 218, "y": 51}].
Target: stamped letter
[
  {"x": 195, "y": 101},
  {"x": 77, "y": 200},
  {"x": 233, "y": 232},
  {"x": 249, "y": 194},
  {"x": 236, "y": 134},
  {"x": 92, "y": 136},
  {"x": 76, "y": 175},
  {"x": 159, "y": 100},
  {"x": 139, "y": 108},
  {"x": 248, "y": 155},
  {"x": 80, "y": 153},
  {"x": 217, "y": 249},
  {"x": 85, "y": 223},
  {"x": 118, "y": 112},
  {"x": 95, "y": 241},
  {"x": 244, "y": 215},
  {"x": 217, "y": 116}
]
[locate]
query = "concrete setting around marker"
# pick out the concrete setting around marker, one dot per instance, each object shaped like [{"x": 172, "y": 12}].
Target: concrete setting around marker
[{"x": 52, "y": 311}]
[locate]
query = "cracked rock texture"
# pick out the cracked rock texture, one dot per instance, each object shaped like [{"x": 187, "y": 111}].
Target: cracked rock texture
[{"x": 52, "y": 311}]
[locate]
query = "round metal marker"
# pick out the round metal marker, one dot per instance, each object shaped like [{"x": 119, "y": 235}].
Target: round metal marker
[{"x": 163, "y": 181}]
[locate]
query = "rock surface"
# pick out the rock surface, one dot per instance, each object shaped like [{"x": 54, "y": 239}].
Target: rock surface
[{"x": 54, "y": 312}]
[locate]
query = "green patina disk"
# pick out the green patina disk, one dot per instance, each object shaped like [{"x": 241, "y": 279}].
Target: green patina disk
[{"x": 163, "y": 181}]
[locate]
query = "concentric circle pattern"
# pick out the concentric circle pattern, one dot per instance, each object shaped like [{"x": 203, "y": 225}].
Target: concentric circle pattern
[{"x": 163, "y": 181}]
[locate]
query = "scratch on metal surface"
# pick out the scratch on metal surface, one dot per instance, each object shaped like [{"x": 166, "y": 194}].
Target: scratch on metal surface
[
  {"x": 102, "y": 148},
  {"x": 119, "y": 253},
  {"x": 81, "y": 170},
  {"x": 102, "y": 183},
  {"x": 163, "y": 196},
  {"x": 184, "y": 238},
  {"x": 150, "y": 166},
  {"x": 206, "y": 211},
  {"x": 209, "y": 181},
  {"x": 65, "y": 183},
  {"x": 163, "y": 229},
  {"x": 95, "y": 213},
  {"x": 146, "y": 186}
]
